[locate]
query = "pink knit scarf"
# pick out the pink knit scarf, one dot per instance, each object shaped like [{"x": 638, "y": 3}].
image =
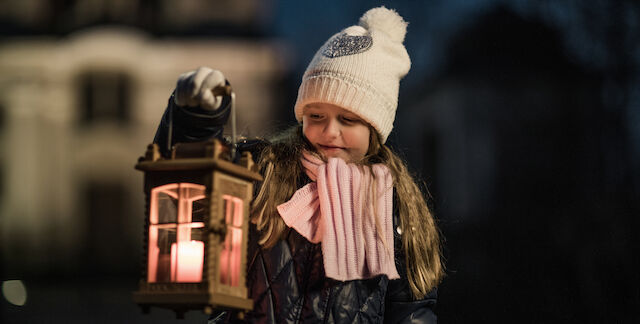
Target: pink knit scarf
[{"x": 336, "y": 210}]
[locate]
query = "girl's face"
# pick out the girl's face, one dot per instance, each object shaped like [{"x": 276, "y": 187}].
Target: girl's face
[{"x": 335, "y": 132}]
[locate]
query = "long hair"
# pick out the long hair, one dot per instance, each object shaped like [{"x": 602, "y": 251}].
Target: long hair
[{"x": 281, "y": 167}]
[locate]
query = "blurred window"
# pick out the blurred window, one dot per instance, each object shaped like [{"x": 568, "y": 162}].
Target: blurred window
[{"x": 104, "y": 97}]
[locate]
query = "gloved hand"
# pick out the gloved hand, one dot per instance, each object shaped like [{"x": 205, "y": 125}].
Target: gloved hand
[{"x": 194, "y": 88}]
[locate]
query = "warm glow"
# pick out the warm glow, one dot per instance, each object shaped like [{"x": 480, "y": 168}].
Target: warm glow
[
  {"x": 173, "y": 255},
  {"x": 231, "y": 254},
  {"x": 153, "y": 254},
  {"x": 187, "y": 261}
]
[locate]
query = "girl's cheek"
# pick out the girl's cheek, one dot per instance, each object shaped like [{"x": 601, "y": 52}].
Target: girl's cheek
[{"x": 307, "y": 132}]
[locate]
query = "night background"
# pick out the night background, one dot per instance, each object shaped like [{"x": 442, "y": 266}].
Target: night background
[{"x": 521, "y": 117}]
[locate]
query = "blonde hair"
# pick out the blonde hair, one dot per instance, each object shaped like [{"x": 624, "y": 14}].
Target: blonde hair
[{"x": 282, "y": 170}]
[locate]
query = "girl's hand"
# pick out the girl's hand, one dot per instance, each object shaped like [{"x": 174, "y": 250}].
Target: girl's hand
[{"x": 194, "y": 88}]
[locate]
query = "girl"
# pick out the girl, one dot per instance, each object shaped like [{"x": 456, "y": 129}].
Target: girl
[{"x": 342, "y": 232}]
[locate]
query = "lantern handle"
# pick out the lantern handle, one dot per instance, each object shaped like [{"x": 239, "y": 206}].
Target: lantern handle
[{"x": 226, "y": 90}]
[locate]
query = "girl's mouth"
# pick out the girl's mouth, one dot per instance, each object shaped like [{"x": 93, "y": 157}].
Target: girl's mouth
[{"x": 330, "y": 148}]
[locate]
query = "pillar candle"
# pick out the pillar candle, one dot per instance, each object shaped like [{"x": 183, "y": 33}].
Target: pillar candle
[{"x": 187, "y": 259}]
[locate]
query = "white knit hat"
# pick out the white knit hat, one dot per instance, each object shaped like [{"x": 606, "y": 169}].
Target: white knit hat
[{"x": 359, "y": 69}]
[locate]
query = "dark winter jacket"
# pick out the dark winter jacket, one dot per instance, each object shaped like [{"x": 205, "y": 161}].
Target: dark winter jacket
[{"x": 287, "y": 283}]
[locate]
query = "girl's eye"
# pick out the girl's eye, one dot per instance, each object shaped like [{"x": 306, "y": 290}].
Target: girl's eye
[
  {"x": 314, "y": 116},
  {"x": 350, "y": 120}
]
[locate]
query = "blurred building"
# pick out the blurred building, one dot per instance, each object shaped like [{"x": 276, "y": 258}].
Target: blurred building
[
  {"x": 530, "y": 165},
  {"x": 82, "y": 89}
]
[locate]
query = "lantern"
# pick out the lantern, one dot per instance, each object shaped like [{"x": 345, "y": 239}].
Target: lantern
[{"x": 196, "y": 228}]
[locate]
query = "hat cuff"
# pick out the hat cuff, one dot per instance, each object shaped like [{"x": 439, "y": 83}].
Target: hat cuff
[{"x": 346, "y": 92}]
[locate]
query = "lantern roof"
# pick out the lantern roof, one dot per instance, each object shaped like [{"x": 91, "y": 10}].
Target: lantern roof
[
  {"x": 208, "y": 155},
  {"x": 198, "y": 164}
]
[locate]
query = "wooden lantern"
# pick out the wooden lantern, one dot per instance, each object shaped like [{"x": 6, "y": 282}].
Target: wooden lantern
[{"x": 196, "y": 228}]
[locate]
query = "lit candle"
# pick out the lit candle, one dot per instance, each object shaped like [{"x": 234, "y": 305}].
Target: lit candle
[{"x": 187, "y": 261}]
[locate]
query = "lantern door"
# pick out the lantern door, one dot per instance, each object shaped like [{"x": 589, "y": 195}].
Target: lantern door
[
  {"x": 232, "y": 205},
  {"x": 176, "y": 233}
]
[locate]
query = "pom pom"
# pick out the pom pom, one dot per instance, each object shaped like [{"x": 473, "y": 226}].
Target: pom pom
[{"x": 385, "y": 20}]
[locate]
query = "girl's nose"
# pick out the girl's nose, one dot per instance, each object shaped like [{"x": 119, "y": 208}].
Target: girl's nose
[{"x": 332, "y": 128}]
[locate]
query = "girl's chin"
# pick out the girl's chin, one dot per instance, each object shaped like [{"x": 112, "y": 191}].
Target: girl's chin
[{"x": 336, "y": 153}]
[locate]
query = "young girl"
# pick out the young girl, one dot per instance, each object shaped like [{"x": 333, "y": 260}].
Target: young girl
[{"x": 342, "y": 232}]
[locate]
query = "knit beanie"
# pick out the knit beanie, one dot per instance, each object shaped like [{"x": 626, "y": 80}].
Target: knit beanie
[{"x": 359, "y": 69}]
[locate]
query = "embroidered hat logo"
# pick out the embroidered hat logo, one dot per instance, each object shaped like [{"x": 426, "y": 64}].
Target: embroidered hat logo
[{"x": 344, "y": 44}]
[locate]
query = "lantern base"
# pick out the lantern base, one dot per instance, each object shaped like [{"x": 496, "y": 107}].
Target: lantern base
[{"x": 196, "y": 301}]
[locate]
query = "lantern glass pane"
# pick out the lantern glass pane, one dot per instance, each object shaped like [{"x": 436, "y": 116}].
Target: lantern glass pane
[
  {"x": 176, "y": 233},
  {"x": 161, "y": 238},
  {"x": 167, "y": 205},
  {"x": 231, "y": 254},
  {"x": 199, "y": 210}
]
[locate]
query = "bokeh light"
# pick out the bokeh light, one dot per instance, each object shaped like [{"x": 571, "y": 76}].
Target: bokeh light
[{"x": 14, "y": 292}]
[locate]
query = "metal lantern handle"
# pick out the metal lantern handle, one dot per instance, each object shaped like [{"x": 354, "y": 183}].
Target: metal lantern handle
[{"x": 226, "y": 90}]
